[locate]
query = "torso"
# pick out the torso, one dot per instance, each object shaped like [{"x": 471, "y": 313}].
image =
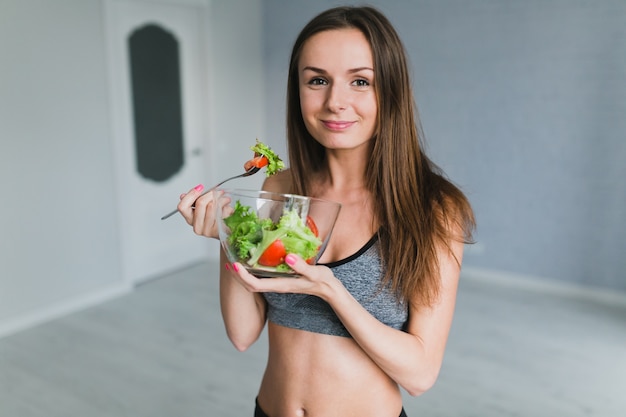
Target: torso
[
  {"x": 318, "y": 375},
  {"x": 315, "y": 375},
  {"x": 360, "y": 275}
]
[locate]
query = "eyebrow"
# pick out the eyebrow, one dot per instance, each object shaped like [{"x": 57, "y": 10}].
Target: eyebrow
[{"x": 351, "y": 70}]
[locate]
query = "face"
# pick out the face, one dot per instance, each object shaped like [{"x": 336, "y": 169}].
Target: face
[{"x": 337, "y": 91}]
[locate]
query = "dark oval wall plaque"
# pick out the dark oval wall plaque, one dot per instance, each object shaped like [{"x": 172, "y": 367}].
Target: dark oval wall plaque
[{"x": 156, "y": 97}]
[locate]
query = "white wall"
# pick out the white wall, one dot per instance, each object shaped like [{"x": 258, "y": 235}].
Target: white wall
[
  {"x": 237, "y": 81},
  {"x": 59, "y": 238}
]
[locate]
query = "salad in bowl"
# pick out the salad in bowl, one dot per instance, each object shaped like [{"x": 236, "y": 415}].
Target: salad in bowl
[{"x": 259, "y": 228}]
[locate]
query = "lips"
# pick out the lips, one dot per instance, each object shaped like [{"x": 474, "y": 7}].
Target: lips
[{"x": 337, "y": 125}]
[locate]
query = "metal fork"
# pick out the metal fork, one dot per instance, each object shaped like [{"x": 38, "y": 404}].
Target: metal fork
[{"x": 249, "y": 172}]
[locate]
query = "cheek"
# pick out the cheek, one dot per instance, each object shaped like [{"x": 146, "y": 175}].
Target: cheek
[
  {"x": 371, "y": 111},
  {"x": 307, "y": 103},
  {"x": 373, "y": 103},
  {"x": 310, "y": 109},
  {"x": 370, "y": 108}
]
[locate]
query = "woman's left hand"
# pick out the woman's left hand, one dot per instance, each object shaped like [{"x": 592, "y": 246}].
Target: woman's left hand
[{"x": 313, "y": 280}]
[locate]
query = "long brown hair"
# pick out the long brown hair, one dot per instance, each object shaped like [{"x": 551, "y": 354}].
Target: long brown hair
[{"x": 417, "y": 208}]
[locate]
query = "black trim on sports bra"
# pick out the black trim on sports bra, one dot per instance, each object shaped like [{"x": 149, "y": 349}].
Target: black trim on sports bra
[{"x": 360, "y": 252}]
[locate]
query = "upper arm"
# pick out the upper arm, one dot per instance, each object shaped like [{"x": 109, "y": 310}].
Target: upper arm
[{"x": 431, "y": 324}]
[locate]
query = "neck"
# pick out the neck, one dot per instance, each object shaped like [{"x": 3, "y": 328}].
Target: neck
[{"x": 344, "y": 177}]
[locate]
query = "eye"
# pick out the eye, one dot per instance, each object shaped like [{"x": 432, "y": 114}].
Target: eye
[
  {"x": 317, "y": 81},
  {"x": 361, "y": 82}
]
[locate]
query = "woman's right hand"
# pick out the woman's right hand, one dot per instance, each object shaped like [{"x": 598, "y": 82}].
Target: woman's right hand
[{"x": 201, "y": 215}]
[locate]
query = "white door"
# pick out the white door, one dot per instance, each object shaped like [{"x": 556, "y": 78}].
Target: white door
[{"x": 148, "y": 188}]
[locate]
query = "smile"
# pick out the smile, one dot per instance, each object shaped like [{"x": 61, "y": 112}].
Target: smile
[{"x": 337, "y": 125}]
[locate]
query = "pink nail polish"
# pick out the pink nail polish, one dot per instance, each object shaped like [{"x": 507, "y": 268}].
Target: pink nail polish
[
  {"x": 235, "y": 267},
  {"x": 199, "y": 187},
  {"x": 290, "y": 259},
  {"x": 227, "y": 266}
]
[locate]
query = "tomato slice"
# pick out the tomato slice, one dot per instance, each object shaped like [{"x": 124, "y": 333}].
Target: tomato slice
[
  {"x": 312, "y": 226},
  {"x": 259, "y": 161},
  {"x": 274, "y": 255}
]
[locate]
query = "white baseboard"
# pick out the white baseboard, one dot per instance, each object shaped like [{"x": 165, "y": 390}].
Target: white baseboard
[
  {"x": 545, "y": 285},
  {"x": 55, "y": 311}
]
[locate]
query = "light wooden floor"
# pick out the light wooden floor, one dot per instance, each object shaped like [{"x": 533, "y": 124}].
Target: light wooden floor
[{"x": 161, "y": 352}]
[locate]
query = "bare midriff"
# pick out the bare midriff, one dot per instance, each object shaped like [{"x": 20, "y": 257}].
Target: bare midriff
[{"x": 316, "y": 375}]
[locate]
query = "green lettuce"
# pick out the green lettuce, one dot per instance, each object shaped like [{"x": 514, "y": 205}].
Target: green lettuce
[
  {"x": 251, "y": 236},
  {"x": 246, "y": 229},
  {"x": 274, "y": 164}
]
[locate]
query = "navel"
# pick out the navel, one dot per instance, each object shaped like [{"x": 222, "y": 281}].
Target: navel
[{"x": 300, "y": 412}]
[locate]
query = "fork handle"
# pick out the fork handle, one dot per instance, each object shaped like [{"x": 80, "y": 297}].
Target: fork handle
[
  {"x": 245, "y": 174},
  {"x": 249, "y": 172},
  {"x": 170, "y": 214}
]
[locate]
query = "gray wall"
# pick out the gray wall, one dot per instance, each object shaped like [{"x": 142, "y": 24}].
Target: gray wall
[{"x": 523, "y": 104}]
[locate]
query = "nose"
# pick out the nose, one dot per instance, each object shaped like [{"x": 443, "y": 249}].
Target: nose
[{"x": 338, "y": 99}]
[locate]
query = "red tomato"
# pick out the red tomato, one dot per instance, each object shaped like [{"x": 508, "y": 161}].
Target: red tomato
[
  {"x": 274, "y": 255},
  {"x": 259, "y": 161},
  {"x": 312, "y": 226}
]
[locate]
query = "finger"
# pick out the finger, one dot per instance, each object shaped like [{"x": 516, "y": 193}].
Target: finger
[
  {"x": 247, "y": 280},
  {"x": 253, "y": 283},
  {"x": 278, "y": 285},
  {"x": 209, "y": 227},
  {"x": 187, "y": 199},
  {"x": 186, "y": 202},
  {"x": 205, "y": 199},
  {"x": 204, "y": 215},
  {"x": 223, "y": 204},
  {"x": 297, "y": 263}
]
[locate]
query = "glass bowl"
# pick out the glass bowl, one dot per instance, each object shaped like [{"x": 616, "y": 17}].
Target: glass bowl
[{"x": 259, "y": 228}]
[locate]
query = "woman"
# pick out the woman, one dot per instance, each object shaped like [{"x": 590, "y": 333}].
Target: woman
[{"x": 385, "y": 287}]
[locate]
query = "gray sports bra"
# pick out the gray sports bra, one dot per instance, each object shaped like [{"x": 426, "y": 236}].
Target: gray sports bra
[{"x": 360, "y": 274}]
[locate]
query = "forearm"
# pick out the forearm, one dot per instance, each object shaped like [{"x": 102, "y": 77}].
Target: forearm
[
  {"x": 243, "y": 312},
  {"x": 412, "y": 357},
  {"x": 401, "y": 355}
]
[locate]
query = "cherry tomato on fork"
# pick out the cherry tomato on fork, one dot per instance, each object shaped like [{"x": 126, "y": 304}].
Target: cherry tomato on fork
[{"x": 259, "y": 161}]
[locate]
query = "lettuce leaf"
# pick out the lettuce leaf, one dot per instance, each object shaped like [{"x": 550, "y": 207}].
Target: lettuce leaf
[
  {"x": 251, "y": 236},
  {"x": 246, "y": 229},
  {"x": 294, "y": 234},
  {"x": 274, "y": 164}
]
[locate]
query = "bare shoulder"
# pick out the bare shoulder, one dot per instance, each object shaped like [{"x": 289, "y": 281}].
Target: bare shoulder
[{"x": 279, "y": 182}]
